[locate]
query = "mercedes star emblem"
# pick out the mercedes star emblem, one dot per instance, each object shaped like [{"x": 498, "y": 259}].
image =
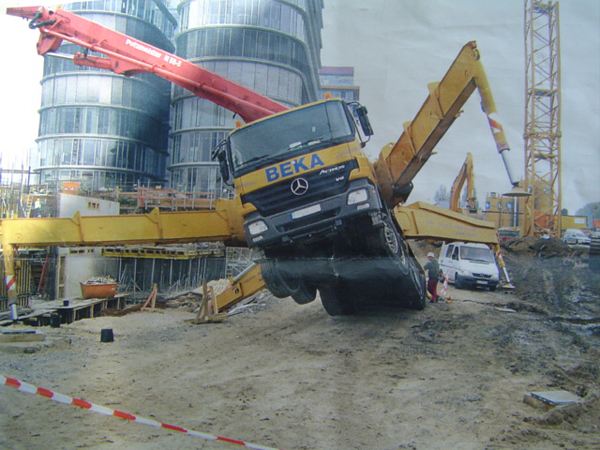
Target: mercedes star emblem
[{"x": 299, "y": 186}]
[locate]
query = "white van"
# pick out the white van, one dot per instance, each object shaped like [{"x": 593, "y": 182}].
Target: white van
[{"x": 469, "y": 265}]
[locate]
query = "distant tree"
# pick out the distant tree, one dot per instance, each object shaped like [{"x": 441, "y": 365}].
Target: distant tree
[
  {"x": 591, "y": 211},
  {"x": 441, "y": 195}
]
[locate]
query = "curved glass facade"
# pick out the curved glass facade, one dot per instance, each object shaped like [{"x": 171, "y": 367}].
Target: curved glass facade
[
  {"x": 269, "y": 46},
  {"x": 102, "y": 129}
]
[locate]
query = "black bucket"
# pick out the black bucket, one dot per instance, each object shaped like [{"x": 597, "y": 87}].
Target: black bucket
[
  {"x": 55, "y": 320},
  {"x": 106, "y": 335}
]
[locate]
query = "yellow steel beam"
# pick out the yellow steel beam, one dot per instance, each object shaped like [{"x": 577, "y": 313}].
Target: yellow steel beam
[
  {"x": 423, "y": 221},
  {"x": 221, "y": 224},
  {"x": 246, "y": 284}
]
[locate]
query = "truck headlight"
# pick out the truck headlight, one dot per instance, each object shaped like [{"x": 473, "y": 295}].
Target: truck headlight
[
  {"x": 358, "y": 196},
  {"x": 257, "y": 227}
]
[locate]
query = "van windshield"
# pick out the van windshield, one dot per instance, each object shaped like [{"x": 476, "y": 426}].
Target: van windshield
[{"x": 477, "y": 254}]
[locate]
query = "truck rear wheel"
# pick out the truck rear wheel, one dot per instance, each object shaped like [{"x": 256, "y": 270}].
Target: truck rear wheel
[
  {"x": 418, "y": 299},
  {"x": 303, "y": 294},
  {"x": 335, "y": 302}
]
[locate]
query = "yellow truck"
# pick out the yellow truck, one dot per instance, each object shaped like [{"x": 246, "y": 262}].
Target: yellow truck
[{"x": 317, "y": 213}]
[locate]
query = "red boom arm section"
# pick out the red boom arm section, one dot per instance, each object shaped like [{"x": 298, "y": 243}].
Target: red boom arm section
[{"x": 129, "y": 56}]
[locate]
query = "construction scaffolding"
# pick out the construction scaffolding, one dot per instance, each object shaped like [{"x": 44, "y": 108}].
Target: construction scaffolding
[{"x": 542, "y": 133}]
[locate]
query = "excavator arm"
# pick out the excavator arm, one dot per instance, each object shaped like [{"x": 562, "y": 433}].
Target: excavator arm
[
  {"x": 399, "y": 163},
  {"x": 464, "y": 175},
  {"x": 128, "y": 56}
]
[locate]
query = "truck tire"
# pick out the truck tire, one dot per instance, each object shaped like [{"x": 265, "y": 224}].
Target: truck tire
[
  {"x": 303, "y": 294},
  {"x": 273, "y": 280},
  {"x": 458, "y": 282},
  {"x": 418, "y": 299},
  {"x": 335, "y": 303},
  {"x": 386, "y": 241}
]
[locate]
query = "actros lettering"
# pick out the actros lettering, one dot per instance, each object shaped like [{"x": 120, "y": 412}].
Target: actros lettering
[{"x": 293, "y": 167}]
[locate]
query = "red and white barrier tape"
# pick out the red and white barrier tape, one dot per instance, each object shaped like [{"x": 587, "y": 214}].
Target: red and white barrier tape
[
  {"x": 445, "y": 287},
  {"x": 31, "y": 389}
]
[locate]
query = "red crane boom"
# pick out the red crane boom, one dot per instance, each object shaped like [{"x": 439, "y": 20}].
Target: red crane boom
[{"x": 128, "y": 56}]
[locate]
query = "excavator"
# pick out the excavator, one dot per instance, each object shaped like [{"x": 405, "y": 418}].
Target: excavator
[
  {"x": 465, "y": 175},
  {"x": 318, "y": 215}
]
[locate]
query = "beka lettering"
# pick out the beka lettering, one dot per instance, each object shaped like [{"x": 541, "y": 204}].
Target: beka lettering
[{"x": 293, "y": 167}]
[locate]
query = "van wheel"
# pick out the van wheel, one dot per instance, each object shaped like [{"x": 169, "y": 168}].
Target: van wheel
[{"x": 458, "y": 282}]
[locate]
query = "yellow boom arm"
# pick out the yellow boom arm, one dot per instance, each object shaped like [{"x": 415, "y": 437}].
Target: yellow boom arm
[{"x": 399, "y": 163}]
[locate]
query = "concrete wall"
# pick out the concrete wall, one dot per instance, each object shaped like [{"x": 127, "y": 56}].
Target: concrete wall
[
  {"x": 78, "y": 264},
  {"x": 70, "y": 204}
]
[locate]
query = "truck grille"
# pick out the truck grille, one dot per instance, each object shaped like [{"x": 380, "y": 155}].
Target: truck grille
[
  {"x": 482, "y": 275},
  {"x": 322, "y": 183}
]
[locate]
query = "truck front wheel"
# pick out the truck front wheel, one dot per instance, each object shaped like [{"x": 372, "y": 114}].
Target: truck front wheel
[
  {"x": 386, "y": 241},
  {"x": 273, "y": 280}
]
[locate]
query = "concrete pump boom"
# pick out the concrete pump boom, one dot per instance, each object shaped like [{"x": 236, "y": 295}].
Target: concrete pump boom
[{"x": 129, "y": 56}]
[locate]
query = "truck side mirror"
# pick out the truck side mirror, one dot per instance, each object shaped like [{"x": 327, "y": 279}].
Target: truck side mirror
[
  {"x": 223, "y": 166},
  {"x": 363, "y": 118}
]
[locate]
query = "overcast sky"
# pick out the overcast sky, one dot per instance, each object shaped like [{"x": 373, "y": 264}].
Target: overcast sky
[{"x": 397, "y": 47}]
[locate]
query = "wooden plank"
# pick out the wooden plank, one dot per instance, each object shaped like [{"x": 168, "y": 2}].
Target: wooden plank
[{"x": 21, "y": 337}]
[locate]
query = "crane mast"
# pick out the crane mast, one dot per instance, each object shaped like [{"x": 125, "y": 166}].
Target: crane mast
[{"x": 542, "y": 134}]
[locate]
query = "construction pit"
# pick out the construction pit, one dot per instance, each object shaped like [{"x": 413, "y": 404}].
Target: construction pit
[{"x": 458, "y": 375}]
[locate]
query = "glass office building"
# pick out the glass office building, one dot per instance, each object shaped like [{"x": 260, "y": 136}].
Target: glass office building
[
  {"x": 270, "y": 46},
  {"x": 339, "y": 83},
  {"x": 102, "y": 129}
]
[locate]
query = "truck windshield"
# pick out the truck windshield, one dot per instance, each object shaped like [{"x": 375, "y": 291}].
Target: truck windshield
[
  {"x": 289, "y": 134},
  {"x": 477, "y": 254}
]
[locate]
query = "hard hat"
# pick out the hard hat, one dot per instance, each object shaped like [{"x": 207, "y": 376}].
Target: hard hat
[{"x": 430, "y": 255}]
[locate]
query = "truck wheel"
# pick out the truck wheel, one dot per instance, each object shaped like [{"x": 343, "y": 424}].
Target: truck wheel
[
  {"x": 273, "y": 280},
  {"x": 304, "y": 294},
  {"x": 418, "y": 301},
  {"x": 458, "y": 282},
  {"x": 334, "y": 302},
  {"x": 386, "y": 241}
]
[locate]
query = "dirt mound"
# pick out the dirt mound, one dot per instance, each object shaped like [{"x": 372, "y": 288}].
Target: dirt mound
[
  {"x": 560, "y": 284},
  {"x": 546, "y": 248}
]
